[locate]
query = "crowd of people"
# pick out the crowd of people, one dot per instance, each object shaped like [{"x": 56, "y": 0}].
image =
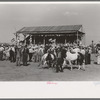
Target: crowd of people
[{"x": 21, "y": 54}]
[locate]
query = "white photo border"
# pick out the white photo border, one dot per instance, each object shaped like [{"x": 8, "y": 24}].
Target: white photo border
[{"x": 65, "y": 89}]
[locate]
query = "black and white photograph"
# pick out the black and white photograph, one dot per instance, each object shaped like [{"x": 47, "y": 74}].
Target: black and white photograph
[{"x": 49, "y": 42}]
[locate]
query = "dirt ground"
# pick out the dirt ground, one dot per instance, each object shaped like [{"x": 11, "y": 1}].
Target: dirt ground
[{"x": 10, "y": 72}]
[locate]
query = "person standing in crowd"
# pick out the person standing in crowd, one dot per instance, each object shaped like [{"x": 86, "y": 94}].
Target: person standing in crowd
[
  {"x": 46, "y": 48},
  {"x": 97, "y": 46},
  {"x": 63, "y": 51},
  {"x": 35, "y": 54},
  {"x": 30, "y": 53},
  {"x": 6, "y": 53},
  {"x": 98, "y": 56},
  {"x": 11, "y": 55},
  {"x": 49, "y": 57},
  {"x": 25, "y": 55},
  {"x": 87, "y": 56},
  {"x": 59, "y": 60},
  {"x": 13, "y": 48},
  {"x": 40, "y": 53},
  {"x": 82, "y": 51},
  {"x": 18, "y": 55},
  {"x": 1, "y": 52}
]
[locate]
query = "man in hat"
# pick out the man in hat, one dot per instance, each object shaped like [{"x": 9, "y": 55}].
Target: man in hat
[
  {"x": 25, "y": 55},
  {"x": 12, "y": 53},
  {"x": 1, "y": 52},
  {"x": 18, "y": 55},
  {"x": 59, "y": 60},
  {"x": 30, "y": 53}
]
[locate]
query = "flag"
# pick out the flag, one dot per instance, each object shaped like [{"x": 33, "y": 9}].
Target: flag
[
  {"x": 27, "y": 36},
  {"x": 13, "y": 40},
  {"x": 16, "y": 34},
  {"x": 50, "y": 39}
]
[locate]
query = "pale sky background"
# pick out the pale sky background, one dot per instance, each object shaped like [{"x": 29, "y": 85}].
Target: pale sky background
[{"x": 16, "y": 16}]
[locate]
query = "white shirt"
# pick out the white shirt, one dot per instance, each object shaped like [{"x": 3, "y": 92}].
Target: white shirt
[
  {"x": 82, "y": 51},
  {"x": 31, "y": 50},
  {"x": 98, "y": 51},
  {"x": 76, "y": 50},
  {"x": 1, "y": 48},
  {"x": 13, "y": 49}
]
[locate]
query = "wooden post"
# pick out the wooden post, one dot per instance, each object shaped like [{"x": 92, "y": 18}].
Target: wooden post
[
  {"x": 84, "y": 39},
  {"x": 30, "y": 39},
  {"x": 93, "y": 51},
  {"x": 44, "y": 40},
  {"x": 65, "y": 39},
  {"x": 34, "y": 39},
  {"x": 77, "y": 37},
  {"x": 25, "y": 39},
  {"x": 55, "y": 39}
]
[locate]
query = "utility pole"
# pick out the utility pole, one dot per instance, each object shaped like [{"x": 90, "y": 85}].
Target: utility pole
[{"x": 93, "y": 46}]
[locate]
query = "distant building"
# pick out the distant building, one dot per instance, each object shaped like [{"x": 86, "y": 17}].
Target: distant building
[{"x": 62, "y": 34}]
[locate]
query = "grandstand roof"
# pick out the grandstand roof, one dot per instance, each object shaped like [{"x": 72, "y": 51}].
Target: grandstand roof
[{"x": 50, "y": 29}]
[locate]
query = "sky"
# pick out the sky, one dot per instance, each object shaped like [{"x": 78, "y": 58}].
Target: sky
[{"x": 13, "y": 17}]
